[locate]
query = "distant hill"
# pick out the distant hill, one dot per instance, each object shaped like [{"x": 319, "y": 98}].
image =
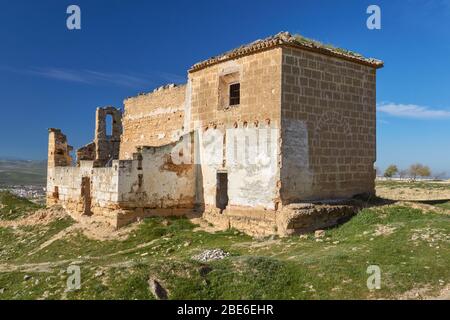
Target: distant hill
[{"x": 22, "y": 172}]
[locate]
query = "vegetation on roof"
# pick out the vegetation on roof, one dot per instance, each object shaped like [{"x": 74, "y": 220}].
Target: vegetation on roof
[{"x": 306, "y": 41}]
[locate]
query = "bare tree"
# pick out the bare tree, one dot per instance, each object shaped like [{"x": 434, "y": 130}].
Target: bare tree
[{"x": 419, "y": 170}]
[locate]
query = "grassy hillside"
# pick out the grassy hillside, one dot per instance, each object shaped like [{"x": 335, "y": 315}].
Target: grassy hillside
[
  {"x": 13, "y": 207},
  {"x": 22, "y": 172},
  {"x": 411, "y": 247}
]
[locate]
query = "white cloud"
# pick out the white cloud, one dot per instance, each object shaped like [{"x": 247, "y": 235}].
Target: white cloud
[
  {"x": 90, "y": 76},
  {"x": 412, "y": 111},
  {"x": 94, "y": 77}
]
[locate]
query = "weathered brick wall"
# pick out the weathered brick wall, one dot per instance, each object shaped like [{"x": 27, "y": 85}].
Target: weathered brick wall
[
  {"x": 329, "y": 127},
  {"x": 260, "y": 91},
  {"x": 152, "y": 119},
  {"x": 249, "y": 184}
]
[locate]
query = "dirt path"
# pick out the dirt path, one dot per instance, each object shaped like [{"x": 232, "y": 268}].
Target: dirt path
[{"x": 49, "y": 266}]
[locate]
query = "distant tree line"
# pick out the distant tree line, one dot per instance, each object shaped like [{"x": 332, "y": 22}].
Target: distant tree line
[{"x": 414, "y": 172}]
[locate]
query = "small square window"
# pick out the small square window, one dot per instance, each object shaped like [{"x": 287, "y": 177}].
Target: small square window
[{"x": 235, "y": 94}]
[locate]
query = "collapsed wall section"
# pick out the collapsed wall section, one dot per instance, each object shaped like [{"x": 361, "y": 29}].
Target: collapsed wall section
[
  {"x": 159, "y": 177},
  {"x": 156, "y": 181}
]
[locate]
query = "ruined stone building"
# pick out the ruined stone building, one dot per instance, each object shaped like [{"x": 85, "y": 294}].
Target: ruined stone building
[{"x": 272, "y": 137}]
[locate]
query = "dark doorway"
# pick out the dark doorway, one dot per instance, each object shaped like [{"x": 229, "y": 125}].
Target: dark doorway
[
  {"x": 56, "y": 193},
  {"x": 222, "y": 191},
  {"x": 86, "y": 195}
]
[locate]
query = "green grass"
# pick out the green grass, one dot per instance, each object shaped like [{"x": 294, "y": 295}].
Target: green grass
[
  {"x": 13, "y": 207},
  {"x": 413, "y": 253},
  {"x": 444, "y": 205}
]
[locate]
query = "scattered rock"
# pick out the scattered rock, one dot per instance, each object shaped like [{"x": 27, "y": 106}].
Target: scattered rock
[
  {"x": 98, "y": 274},
  {"x": 319, "y": 233},
  {"x": 303, "y": 236},
  {"x": 27, "y": 277},
  {"x": 187, "y": 244},
  {"x": 204, "y": 270},
  {"x": 210, "y": 255},
  {"x": 170, "y": 250},
  {"x": 165, "y": 222},
  {"x": 384, "y": 230},
  {"x": 2, "y": 290},
  {"x": 157, "y": 289}
]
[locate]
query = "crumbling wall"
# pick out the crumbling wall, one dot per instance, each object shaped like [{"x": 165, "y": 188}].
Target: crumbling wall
[
  {"x": 69, "y": 183},
  {"x": 58, "y": 149},
  {"x": 58, "y": 156},
  {"x": 107, "y": 146},
  {"x": 328, "y": 127},
  {"x": 157, "y": 178},
  {"x": 87, "y": 152},
  {"x": 153, "y": 119}
]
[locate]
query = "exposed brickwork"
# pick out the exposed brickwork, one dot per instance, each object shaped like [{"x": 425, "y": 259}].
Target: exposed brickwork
[
  {"x": 107, "y": 145},
  {"x": 58, "y": 149},
  {"x": 335, "y": 102},
  {"x": 260, "y": 79},
  {"x": 152, "y": 119}
]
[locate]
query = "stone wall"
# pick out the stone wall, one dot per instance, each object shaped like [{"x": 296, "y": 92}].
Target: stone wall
[
  {"x": 152, "y": 119},
  {"x": 58, "y": 149},
  {"x": 68, "y": 181},
  {"x": 107, "y": 145},
  {"x": 328, "y": 119},
  {"x": 251, "y": 185},
  {"x": 304, "y": 130},
  {"x": 156, "y": 179},
  {"x": 151, "y": 182}
]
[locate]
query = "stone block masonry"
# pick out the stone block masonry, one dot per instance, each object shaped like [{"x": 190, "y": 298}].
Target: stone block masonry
[
  {"x": 328, "y": 127},
  {"x": 274, "y": 137},
  {"x": 153, "y": 119}
]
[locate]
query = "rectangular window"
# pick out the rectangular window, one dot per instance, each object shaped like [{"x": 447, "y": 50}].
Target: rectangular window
[{"x": 235, "y": 94}]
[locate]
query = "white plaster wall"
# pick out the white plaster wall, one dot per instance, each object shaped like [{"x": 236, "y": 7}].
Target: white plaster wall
[
  {"x": 251, "y": 163},
  {"x": 252, "y": 179},
  {"x": 164, "y": 183},
  {"x": 297, "y": 175},
  {"x": 104, "y": 182},
  {"x": 68, "y": 180},
  {"x": 105, "y": 185},
  {"x": 211, "y": 158}
]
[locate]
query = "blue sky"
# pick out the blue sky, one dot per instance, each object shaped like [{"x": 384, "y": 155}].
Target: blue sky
[{"x": 53, "y": 77}]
